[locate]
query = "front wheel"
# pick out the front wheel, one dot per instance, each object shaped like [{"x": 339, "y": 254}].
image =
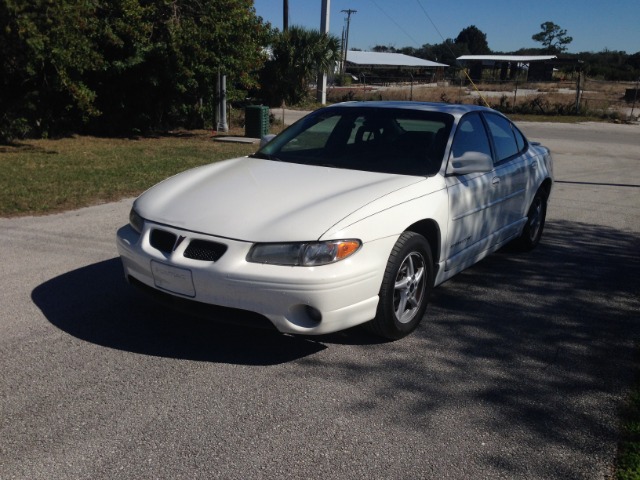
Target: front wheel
[{"x": 405, "y": 289}]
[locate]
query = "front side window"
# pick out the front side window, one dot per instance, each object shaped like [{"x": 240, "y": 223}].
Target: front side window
[
  {"x": 386, "y": 140},
  {"x": 471, "y": 136}
]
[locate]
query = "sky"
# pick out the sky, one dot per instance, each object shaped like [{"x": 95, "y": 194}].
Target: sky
[{"x": 508, "y": 24}]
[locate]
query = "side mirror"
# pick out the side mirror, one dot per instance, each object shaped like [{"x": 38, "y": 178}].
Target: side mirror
[
  {"x": 470, "y": 162},
  {"x": 266, "y": 139}
]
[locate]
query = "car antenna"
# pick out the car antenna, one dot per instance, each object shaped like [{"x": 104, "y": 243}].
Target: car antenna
[{"x": 444, "y": 42}]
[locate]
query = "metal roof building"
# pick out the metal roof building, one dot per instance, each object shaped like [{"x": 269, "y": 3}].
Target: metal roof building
[
  {"x": 538, "y": 67},
  {"x": 386, "y": 60},
  {"x": 507, "y": 58},
  {"x": 387, "y": 68}
]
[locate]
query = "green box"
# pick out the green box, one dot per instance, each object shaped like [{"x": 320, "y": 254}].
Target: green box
[{"x": 256, "y": 121}]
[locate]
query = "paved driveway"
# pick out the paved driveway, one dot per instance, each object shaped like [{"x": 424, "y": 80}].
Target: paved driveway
[{"x": 518, "y": 371}]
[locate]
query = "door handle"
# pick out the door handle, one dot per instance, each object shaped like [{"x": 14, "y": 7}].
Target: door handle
[{"x": 495, "y": 181}]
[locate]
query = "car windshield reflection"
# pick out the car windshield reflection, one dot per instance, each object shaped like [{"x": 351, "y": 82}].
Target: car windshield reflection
[{"x": 384, "y": 140}]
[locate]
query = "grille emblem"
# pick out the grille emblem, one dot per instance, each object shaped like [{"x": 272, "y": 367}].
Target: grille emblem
[{"x": 178, "y": 242}]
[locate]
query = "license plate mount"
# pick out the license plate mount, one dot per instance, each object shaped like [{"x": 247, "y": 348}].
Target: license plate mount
[{"x": 173, "y": 279}]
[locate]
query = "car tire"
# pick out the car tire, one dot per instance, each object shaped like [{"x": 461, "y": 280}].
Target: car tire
[
  {"x": 406, "y": 285},
  {"x": 532, "y": 231}
]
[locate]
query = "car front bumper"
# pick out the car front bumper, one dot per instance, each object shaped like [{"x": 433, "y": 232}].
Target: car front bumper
[{"x": 302, "y": 300}]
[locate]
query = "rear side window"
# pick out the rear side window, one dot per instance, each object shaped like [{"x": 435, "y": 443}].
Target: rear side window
[
  {"x": 522, "y": 143},
  {"x": 503, "y": 137}
]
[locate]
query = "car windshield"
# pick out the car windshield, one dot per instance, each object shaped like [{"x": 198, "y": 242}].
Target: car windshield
[{"x": 386, "y": 140}]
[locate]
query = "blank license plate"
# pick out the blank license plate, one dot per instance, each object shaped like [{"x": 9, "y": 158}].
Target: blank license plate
[{"x": 173, "y": 279}]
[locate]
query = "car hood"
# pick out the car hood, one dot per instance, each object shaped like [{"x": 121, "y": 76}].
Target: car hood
[{"x": 268, "y": 201}]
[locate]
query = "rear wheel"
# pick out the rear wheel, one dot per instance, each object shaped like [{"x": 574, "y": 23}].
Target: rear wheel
[
  {"x": 536, "y": 216},
  {"x": 405, "y": 289}
]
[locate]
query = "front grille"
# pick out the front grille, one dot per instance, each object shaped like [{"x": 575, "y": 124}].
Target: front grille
[
  {"x": 205, "y": 250},
  {"x": 162, "y": 240},
  {"x": 196, "y": 250}
]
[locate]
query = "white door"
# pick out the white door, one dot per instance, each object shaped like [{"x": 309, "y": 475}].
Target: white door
[
  {"x": 510, "y": 174},
  {"x": 472, "y": 199}
]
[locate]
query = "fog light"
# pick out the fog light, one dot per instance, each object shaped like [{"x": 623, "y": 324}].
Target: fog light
[
  {"x": 313, "y": 313},
  {"x": 304, "y": 316}
]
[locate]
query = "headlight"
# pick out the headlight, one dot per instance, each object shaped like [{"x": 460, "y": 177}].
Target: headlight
[
  {"x": 136, "y": 221},
  {"x": 307, "y": 254}
]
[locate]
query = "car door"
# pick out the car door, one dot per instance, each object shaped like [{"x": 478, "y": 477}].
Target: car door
[
  {"x": 472, "y": 198},
  {"x": 509, "y": 179}
]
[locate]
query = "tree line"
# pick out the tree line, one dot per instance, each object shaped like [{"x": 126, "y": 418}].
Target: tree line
[
  {"x": 607, "y": 65},
  {"x": 117, "y": 66},
  {"x": 124, "y": 66}
]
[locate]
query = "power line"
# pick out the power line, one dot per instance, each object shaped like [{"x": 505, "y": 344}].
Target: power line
[
  {"x": 444, "y": 42},
  {"x": 431, "y": 21},
  {"x": 417, "y": 44}
]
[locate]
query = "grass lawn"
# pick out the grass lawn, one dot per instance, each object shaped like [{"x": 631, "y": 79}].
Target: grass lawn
[
  {"x": 628, "y": 461},
  {"x": 46, "y": 176}
]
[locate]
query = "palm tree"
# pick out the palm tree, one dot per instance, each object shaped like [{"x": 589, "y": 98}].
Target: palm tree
[{"x": 299, "y": 55}]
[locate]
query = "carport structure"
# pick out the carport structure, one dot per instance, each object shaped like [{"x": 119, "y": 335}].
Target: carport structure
[
  {"x": 537, "y": 67},
  {"x": 383, "y": 67}
]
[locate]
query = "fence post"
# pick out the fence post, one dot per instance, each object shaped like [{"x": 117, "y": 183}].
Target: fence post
[
  {"x": 578, "y": 92},
  {"x": 635, "y": 97},
  {"x": 411, "y": 95}
]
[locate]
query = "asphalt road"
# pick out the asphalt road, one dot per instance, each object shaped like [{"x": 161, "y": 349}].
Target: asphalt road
[{"x": 518, "y": 371}]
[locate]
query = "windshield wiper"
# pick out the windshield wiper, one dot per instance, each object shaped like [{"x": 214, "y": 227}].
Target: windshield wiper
[{"x": 265, "y": 156}]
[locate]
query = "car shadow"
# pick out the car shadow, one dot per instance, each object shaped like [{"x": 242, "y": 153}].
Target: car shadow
[{"x": 95, "y": 304}]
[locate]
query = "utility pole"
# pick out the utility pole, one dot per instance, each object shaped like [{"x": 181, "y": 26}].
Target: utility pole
[
  {"x": 321, "y": 92},
  {"x": 346, "y": 39},
  {"x": 285, "y": 15},
  {"x": 221, "y": 111}
]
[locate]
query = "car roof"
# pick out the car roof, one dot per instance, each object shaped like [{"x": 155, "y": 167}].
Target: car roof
[{"x": 456, "y": 110}]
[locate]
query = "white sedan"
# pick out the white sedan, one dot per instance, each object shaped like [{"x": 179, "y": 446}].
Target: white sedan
[{"x": 350, "y": 216}]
